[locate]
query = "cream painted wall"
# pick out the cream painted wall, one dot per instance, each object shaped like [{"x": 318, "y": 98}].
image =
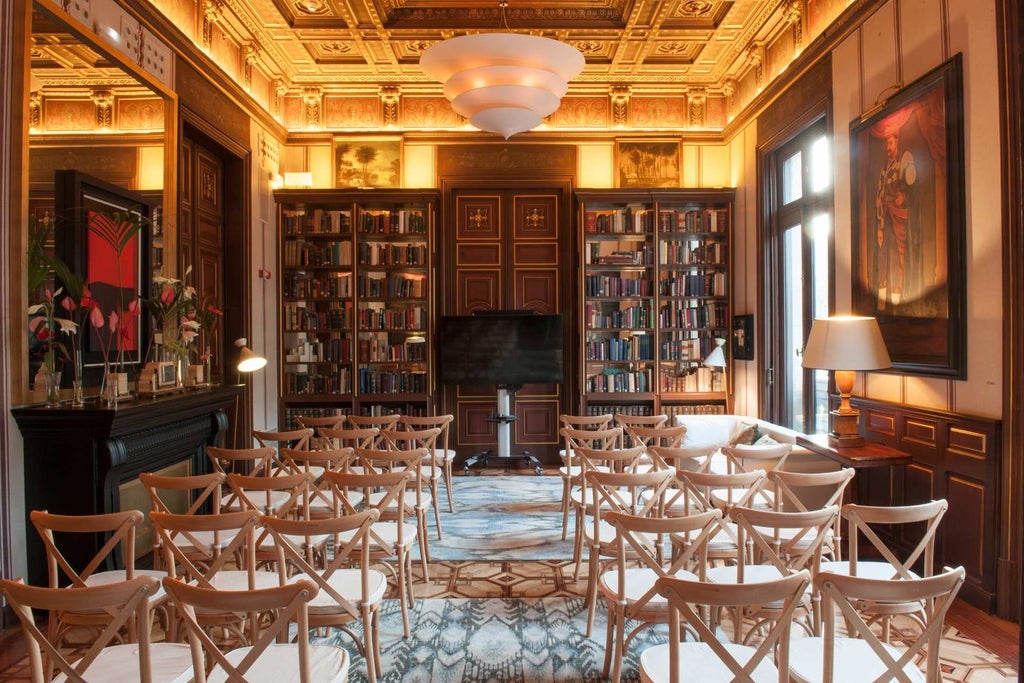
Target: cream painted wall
[{"x": 903, "y": 40}]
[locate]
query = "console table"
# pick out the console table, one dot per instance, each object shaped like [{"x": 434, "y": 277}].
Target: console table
[
  {"x": 870, "y": 454},
  {"x": 77, "y": 458}
]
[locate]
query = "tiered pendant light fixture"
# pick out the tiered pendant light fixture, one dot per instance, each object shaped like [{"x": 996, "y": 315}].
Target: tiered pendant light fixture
[{"x": 504, "y": 83}]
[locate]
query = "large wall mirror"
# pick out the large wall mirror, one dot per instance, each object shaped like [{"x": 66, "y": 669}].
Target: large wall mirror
[{"x": 92, "y": 110}]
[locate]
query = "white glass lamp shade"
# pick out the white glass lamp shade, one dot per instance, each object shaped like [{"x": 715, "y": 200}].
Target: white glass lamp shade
[
  {"x": 846, "y": 343},
  {"x": 504, "y": 83},
  {"x": 248, "y": 360},
  {"x": 716, "y": 359}
]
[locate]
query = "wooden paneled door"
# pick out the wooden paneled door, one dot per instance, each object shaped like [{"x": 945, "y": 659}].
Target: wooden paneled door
[
  {"x": 506, "y": 249},
  {"x": 201, "y": 234}
]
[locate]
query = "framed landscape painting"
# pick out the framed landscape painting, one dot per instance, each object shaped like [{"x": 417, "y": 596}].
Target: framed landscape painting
[
  {"x": 647, "y": 163},
  {"x": 367, "y": 162},
  {"x": 908, "y": 227}
]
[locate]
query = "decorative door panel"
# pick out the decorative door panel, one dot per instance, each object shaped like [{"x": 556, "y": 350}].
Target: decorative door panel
[
  {"x": 535, "y": 254},
  {"x": 536, "y": 290},
  {"x": 536, "y": 217},
  {"x": 473, "y": 426},
  {"x": 507, "y": 250},
  {"x": 478, "y": 217},
  {"x": 478, "y": 290}
]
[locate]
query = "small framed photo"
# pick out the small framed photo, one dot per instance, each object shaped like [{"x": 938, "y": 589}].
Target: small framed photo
[
  {"x": 647, "y": 163},
  {"x": 367, "y": 162},
  {"x": 167, "y": 376},
  {"x": 743, "y": 337}
]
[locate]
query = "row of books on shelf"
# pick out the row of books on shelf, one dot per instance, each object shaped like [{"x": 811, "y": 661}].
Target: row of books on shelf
[
  {"x": 392, "y": 285},
  {"x": 616, "y": 380},
  {"x": 693, "y": 314},
  {"x": 694, "y": 220},
  {"x": 376, "y": 381},
  {"x": 317, "y": 222},
  {"x": 300, "y": 253},
  {"x": 385, "y": 254},
  {"x": 299, "y": 318},
  {"x": 291, "y": 414},
  {"x": 692, "y": 253},
  {"x": 299, "y": 285},
  {"x": 336, "y": 382},
  {"x": 608, "y": 285},
  {"x": 334, "y": 350},
  {"x": 612, "y": 221},
  {"x": 693, "y": 284},
  {"x": 637, "y": 347},
  {"x": 686, "y": 349},
  {"x": 643, "y": 410},
  {"x": 407, "y": 318},
  {"x": 393, "y": 222},
  {"x": 630, "y": 317},
  {"x": 633, "y": 410},
  {"x": 381, "y": 409},
  {"x": 379, "y": 350},
  {"x": 596, "y": 255},
  {"x": 696, "y": 379}
]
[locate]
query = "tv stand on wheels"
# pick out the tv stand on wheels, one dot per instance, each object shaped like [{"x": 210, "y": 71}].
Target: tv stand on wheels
[{"x": 504, "y": 420}]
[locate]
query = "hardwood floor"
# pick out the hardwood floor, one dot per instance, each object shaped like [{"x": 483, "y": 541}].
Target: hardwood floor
[{"x": 998, "y": 636}]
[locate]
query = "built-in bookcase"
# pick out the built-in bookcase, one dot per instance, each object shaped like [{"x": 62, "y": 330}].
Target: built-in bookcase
[
  {"x": 655, "y": 284},
  {"x": 356, "y": 297}
]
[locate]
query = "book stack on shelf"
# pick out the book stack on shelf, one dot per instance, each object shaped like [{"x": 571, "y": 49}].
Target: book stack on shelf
[
  {"x": 355, "y": 301},
  {"x": 655, "y": 280}
]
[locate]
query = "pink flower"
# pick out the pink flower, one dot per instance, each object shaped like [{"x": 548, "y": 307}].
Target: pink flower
[
  {"x": 167, "y": 296},
  {"x": 112, "y": 321},
  {"x": 68, "y": 304},
  {"x": 96, "y": 317}
]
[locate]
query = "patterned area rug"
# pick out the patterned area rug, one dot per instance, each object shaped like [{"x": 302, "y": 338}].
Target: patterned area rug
[
  {"x": 506, "y": 640},
  {"x": 540, "y": 640},
  {"x": 502, "y": 518}
]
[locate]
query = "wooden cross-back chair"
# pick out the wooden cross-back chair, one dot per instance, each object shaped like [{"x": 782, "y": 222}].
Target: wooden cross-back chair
[
  {"x": 630, "y": 589},
  {"x": 425, "y": 485},
  {"x": 190, "y": 495},
  {"x": 778, "y": 544},
  {"x": 390, "y": 536},
  {"x": 104, "y": 657},
  {"x": 741, "y": 458},
  {"x": 443, "y": 457},
  {"x": 715, "y": 660},
  {"x": 379, "y": 422},
  {"x": 316, "y": 463},
  {"x": 350, "y": 590},
  {"x": 318, "y": 424},
  {"x": 793, "y": 491},
  {"x": 814, "y": 660},
  {"x": 653, "y": 437},
  {"x": 270, "y": 657},
  {"x": 115, "y": 528},
  {"x": 299, "y": 439},
  {"x": 876, "y": 524},
  {"x": 629, "y": 492},
  {"x": 607, "y": 438},
  {"x": 229, "y": 564}
]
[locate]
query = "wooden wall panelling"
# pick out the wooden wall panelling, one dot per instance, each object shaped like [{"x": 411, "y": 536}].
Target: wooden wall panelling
[{"x": 956, "y": 457}]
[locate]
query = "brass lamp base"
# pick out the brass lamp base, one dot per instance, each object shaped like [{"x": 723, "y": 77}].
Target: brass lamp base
[{"x": 844, "y": 429}]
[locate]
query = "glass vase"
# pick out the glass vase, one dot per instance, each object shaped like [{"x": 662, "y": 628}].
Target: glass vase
[
  {"x": 78, "y": 381},
  {"x": 52, "y": 380},
  {"x": 108, "y": 390},
  {"x": 208, "y": 367}
]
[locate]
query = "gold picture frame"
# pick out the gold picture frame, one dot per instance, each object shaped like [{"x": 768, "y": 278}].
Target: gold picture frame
[
  {"x": 647, "y": 163},
  {"x": 367, "y": 162}
]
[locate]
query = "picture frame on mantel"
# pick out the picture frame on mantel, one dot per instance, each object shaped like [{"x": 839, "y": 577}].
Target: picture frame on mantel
[
  {"x": 908, "y": 223},
  {"x": 367, "y": 162},
  {"x": 743, "y": 337}
]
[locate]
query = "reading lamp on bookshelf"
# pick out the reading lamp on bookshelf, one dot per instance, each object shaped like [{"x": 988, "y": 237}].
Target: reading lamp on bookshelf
[{"x": 716, "y": 359}]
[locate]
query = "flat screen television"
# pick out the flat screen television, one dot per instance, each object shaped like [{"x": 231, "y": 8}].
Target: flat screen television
[{"x": 500, "y": 348}]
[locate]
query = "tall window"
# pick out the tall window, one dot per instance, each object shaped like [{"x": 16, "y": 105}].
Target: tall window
[{"x": 798, "y": 264}]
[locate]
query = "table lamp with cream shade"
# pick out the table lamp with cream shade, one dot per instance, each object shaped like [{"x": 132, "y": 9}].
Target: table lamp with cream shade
[{"x": 845, "y": 344}]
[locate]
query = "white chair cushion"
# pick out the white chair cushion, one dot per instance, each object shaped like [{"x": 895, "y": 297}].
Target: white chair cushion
[
  {"x": 854, "y": 661},
  {"x": 698, "y": 662},
  {"x": 752, "y": 573},
  {"x": 871, "y": 569},
  {"x": 280, "y": 662},
  {"x": 639, "y": 580},
  {"x": 169, "y": 663},
  {"x": 349, "y": 583}
]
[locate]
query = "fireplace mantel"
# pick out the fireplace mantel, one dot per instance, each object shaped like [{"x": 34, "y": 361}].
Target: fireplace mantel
[{"x": 77, "y": 458}]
